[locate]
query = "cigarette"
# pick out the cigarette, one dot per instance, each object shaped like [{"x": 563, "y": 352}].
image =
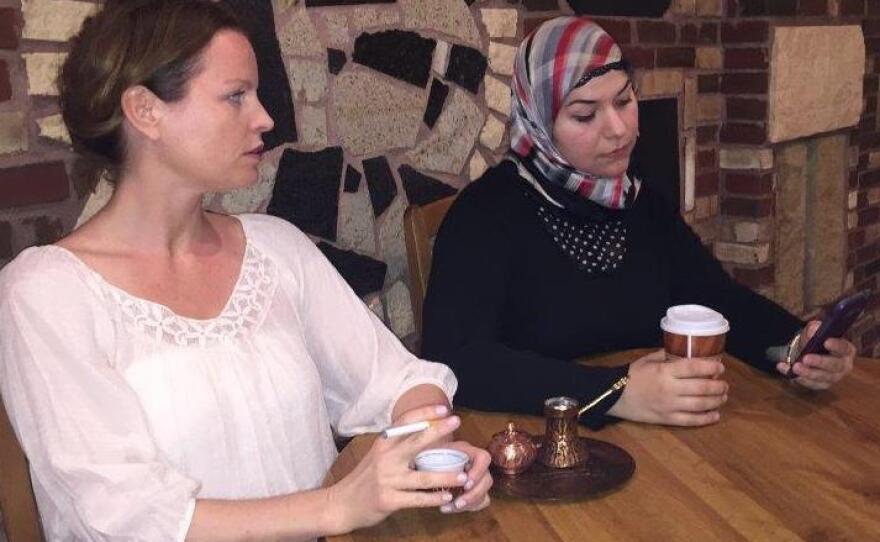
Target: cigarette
[{"x": 407, "y": 429}]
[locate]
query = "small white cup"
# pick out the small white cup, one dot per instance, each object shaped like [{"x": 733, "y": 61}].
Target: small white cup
[{"x": 441, "y": 460}]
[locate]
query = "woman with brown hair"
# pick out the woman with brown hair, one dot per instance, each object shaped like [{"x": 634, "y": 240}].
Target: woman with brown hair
[{"x": 172, "y": 373}]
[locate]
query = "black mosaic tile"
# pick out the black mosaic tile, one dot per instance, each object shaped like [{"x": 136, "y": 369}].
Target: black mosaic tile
[
  {"x": 466, "y": 68},
  {"x": 352, "y": 179},
  {"x": 364, "y": 274},
  {"x": 436, "y": 99},
  {"x": 421, "y": 189},
  {"x": 274, "y": 92},
  {"x": 316, "y": 3},
  {"x": 306, "y": 190},
  {"x": 398, "y": 53},
  {"x": 336, "y": 60},
  {"x": 380, "y": 181},
  {"x": 620, "y": 8}
]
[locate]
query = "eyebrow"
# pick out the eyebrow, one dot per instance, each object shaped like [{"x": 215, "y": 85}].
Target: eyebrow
[
  {"x": 594, "y": 102},
  {"x": 245, "y": 82}
]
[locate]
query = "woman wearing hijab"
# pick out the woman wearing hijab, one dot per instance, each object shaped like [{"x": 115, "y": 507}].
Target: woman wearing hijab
[{"x": 560, "y": 252}]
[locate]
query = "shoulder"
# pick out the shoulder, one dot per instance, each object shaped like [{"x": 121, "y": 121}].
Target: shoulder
[
  {"x": 499, "y": 181},
  {"x": 47, "y": 273},
  {"x": 280, "y": 240},
  {"x": 267, "y": 229},
  {"x": 655, "y": 203},
  {"x": 497, "y": 194}
]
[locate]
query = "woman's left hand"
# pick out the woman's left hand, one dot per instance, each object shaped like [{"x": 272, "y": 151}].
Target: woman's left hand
[
  {"x": 818, "y": 371},
  {"x": 476, "y": 489}
]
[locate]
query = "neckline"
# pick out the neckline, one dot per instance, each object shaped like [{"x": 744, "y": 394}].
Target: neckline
[{"x": 246, "y": 258}]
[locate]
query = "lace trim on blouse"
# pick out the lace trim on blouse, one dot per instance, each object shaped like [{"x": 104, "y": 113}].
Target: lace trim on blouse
[{"x": 244, "y": 310}]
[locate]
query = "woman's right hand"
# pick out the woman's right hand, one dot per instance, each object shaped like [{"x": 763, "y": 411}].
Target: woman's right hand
[
  {"x": 685, "y": 391},
  {"x": 384, "y": 481}
]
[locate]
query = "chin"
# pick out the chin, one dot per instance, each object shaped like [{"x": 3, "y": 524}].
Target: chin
[
  {"x": 606, "y": 169},
  {"x": 246, "y": 180},
  {"x": 613, "y": 171}
]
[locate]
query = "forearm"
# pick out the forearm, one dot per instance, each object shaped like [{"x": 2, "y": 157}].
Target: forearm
[
  {"x": 300, "y": 516},
  {"x": 419, "y": 396},
  {"x": 528, "y": 379}
]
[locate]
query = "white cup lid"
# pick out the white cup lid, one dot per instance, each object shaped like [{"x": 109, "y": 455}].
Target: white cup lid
[
  {"x": 694, "y": 320},
  {"x": 441, "y": 460}
]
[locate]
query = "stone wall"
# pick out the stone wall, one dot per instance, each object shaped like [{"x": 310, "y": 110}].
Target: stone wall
[{"x": 383, "y": 104}]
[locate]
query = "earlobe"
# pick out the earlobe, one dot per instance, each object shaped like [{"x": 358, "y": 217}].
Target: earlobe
[{"x": 142, "y": 109}]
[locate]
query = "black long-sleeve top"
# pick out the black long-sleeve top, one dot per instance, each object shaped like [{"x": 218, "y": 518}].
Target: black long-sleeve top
[{"x": 508, "y": 311}]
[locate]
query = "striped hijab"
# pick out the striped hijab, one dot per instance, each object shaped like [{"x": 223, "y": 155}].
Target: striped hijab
[{"x": 561, "y": 55}]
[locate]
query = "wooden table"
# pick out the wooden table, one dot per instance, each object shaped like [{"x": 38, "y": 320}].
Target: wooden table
[{"x": 782, "y": 464}]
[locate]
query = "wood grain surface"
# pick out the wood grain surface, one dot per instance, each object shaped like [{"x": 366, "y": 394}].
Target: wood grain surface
[{"x": 783, "y": 464}]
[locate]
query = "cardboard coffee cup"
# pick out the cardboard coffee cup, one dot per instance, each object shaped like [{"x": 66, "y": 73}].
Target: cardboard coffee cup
[
  {"x": 443, "y": 460},
  {"x": 693, "y": 331}
]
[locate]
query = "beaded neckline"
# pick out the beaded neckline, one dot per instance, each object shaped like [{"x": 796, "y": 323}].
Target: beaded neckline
[{"x": 596, "y": 247}]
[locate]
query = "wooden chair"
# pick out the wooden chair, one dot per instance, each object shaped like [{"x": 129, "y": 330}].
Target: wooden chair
[
  {"x": 420, "y": 225},
  {"x": 17, "y": 505}
]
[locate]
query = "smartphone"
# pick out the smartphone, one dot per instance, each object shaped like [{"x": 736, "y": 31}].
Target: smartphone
[{"x": 842, "y": 316}]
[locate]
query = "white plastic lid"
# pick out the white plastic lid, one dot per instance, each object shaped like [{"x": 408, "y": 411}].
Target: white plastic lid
[{"x": 694, "y": 320}]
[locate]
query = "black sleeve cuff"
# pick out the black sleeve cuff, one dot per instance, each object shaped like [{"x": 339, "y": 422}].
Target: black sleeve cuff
[{"x": 597, "y": 418}]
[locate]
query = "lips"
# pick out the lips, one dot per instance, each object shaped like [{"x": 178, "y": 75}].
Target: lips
[
  {"x": 619, "y": 152},
  {"x": 256, "y": 151}
]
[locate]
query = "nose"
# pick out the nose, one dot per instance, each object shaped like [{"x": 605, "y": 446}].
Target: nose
[
  {"x": 615, "y": 125},
  {"x": 264, "y": 122}
]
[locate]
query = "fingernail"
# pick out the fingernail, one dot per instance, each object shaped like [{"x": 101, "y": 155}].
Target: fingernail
[
  {"x": 453, "y": 421},
  {"x": 462, "y": 478},
  {"x": 446, "y": 508},
  {"x": 442, "y": 410},
  {"x": 469, "y": 485},
  {"x": 447, "y": 496},
  {"x": 460, "y": 503}
]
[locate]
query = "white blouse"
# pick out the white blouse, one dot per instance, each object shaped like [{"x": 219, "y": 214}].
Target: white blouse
[{"x": 129, "y": 412}]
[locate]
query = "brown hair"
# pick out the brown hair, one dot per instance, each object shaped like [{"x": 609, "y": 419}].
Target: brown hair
[{"x": 154, "y": 43}]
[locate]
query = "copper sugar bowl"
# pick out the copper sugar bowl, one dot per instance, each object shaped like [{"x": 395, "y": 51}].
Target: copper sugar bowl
[
  {"x": 561, "y": 447},
  {"x": 512, "y": 451}
]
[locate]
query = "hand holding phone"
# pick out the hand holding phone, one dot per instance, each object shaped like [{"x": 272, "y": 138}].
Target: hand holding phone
[{"x": 845, "y": 312}]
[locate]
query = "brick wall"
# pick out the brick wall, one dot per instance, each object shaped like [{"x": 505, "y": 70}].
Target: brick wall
[
  {"x": 747, "y": 177},
  {"x": 38, "y": 202},
  {"x": 864, "y": 236}
]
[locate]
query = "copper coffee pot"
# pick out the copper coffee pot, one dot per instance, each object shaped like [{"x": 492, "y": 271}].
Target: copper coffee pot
[{"x": 561, "y": 447}]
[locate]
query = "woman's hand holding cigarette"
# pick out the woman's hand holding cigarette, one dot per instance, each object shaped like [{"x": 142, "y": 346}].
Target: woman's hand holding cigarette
[{"x": 384, "y": 481}]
